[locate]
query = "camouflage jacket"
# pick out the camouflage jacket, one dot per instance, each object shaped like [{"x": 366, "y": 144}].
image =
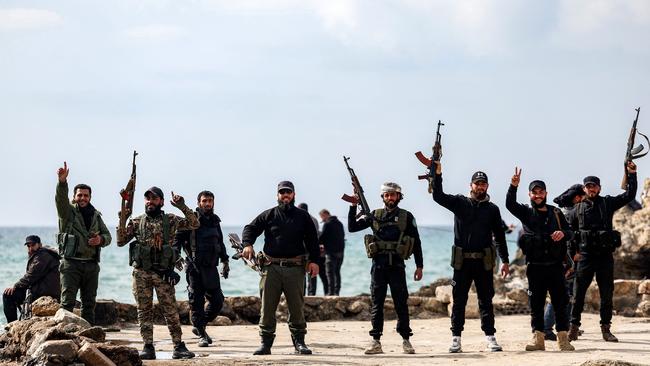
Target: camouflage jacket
[
  {"x": 72, "y": 222},
  {"x": 153, "y": 232}
]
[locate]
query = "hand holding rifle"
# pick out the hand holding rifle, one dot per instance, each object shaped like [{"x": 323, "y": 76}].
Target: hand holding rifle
[{"x": 433, "y": 163}]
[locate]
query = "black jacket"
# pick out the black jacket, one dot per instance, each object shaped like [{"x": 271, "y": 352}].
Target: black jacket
[
  {"x": 536, "y": 242},
  {"x": 332, "y": 236},
  {"x": 475, "y": 222},
  {"x": 285, "y": 231},
  {"x": 209, "y": 241},
  {"x": 42, "y": 274},
  {"x": 389, "y": 234}
]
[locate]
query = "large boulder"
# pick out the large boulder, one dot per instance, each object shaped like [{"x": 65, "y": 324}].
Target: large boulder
[
  {"x": 471, "y": 309},
  {"x": 632, "y": 259},
  {"x": 63, "y": 316},
  {"x": 56, "y": 352},
  {"x": 444, "y": 294},
  {"x": 90, "y": 355},
  {"x": 45, "y": 306},
  {"x": 120, "y": 355}
]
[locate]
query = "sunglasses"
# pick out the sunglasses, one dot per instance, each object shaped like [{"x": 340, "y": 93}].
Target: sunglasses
[{"x": 285, "y": 191}]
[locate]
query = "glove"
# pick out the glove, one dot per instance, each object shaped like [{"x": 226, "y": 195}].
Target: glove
[
  {"x": 171, "y": 277},
  {"x": 225, "y": 270}
]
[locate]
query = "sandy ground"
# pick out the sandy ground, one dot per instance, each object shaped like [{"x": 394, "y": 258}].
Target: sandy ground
[{"x": 342, "y": 343}]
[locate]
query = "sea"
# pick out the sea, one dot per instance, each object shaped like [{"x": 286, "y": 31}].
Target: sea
[{"x": 115, "y": 274}]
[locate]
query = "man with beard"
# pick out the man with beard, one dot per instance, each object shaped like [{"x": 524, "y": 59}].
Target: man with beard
[
  {"x": 153, "y": 258},
  {"x": 82, "y": 234},
  {"x": 476, "y": 222},
  {"x": 204, "y": 248},
  {"x": 394, "y": 238},
  {"x": 332, "y": 238},
  {"x": 41, "y": 278},
  {"x": 285, "y": 229},
  {"x": 544, "y": 243},
  {"x": 592, "y": 220}
]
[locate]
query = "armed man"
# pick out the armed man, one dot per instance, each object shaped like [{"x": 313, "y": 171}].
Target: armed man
[
  {"x": 476, "y": 221},
  {"x": 544, "y": 243},
  {"x": 41, "y": 278},
  {"x": 82, "y": 234},
  {"x": 285, "y": 229},
  {"x": 592, "y": 221},
  {"x": 204, "y": 248},
  {"x": 153, "y": 259},
  {"x": 394, "y": 239}
]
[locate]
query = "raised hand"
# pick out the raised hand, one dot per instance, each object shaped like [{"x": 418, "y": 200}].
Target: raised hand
[
  {"x": 516, "y": 178},
  {"x": 631, "y": 167},
  {"x": 177, "y": 200},
  {"x": 63, "y": 172}
]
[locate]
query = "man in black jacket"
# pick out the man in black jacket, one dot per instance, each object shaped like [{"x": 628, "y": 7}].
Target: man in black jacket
[
  {"x": 592, "y": 220},
  {"x": 394, "y": 238},
  {"x": 476, "y": 222},
  {"x": 544, "y": 243},
  {"x": 332, "y": 238},
  {"x": 204, "y": 248},
  {"x": 41, "y": 278},
  {"x": 288, "y": 231}
]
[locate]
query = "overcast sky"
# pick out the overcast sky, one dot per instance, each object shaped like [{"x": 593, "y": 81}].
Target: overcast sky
[{"x": 234, "y": 96}]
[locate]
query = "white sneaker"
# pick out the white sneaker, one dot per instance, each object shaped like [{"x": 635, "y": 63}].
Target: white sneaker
[
  {"x": 374, "y": 348},
  {"x": 455, "y": 345},
  {"x": 407, "y": 347},
  {"x": 492, "y": 345}
]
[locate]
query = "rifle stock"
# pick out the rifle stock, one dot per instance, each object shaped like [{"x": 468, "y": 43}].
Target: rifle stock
[{"x": 359, "y": 198}]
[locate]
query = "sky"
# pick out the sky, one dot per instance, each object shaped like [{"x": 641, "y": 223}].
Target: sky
[{"x": 234, "y": 96}]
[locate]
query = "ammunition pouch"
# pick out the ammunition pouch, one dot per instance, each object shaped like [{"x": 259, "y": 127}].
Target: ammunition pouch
[
  {"x": 599, "y": 241},
  {"x": 489, "y": 257},
  {"x": 456, "y": 257},
  {"x": 371, "y": 246},
  {"x": 403, "y": 248},
  {"x": 541, "y": 248},
  {"x": 68, "y": 244},
  {"x": 146, "y": 257}
]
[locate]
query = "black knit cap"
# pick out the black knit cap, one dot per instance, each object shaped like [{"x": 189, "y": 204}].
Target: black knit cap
[{"x": 32, "y": 239}]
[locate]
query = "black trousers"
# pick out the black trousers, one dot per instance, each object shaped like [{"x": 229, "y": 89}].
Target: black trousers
[
  {"x": 312, "y": 283},
  {"x": 544, "y": 279},
  {"x": 11, "y": 303},
  {"x": 603, "y": 267},
  {"x": 201, "y": 288},
  {"x": 333, "y": 262},
  {"x": 381, "y": 277},
  {"x": 472, "y": 271}
]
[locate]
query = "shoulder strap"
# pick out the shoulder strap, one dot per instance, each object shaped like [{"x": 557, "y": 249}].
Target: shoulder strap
[
  {"x": 165, "y": 224},
  {"x": 141, "y": 227},
  {"x": 401, "y": 220},
  {"x": 557, "y": 217},
  {"x": 193, "y": 244},
  {"x": 379, "y": 213}
]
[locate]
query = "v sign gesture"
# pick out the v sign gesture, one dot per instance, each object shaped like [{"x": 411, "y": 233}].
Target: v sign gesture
[{"x": 516, "y": 178}]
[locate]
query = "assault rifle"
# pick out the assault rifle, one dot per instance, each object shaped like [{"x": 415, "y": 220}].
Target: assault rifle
[
  {"x": 359, "y": 197},
  {"x": 127, "y": 195},
  {"x": 437, "y": 154},
  {"x": 237, "y": 245},
  {"x": 632, "y": 152}
]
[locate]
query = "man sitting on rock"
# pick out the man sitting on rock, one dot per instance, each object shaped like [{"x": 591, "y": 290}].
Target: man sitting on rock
[{"x": 41, "y": 278}]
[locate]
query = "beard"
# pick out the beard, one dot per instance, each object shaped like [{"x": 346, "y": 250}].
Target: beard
[
  {"x": 479, "y": 196},
  {"x": 153, "y": 211},
  {"x": 286, "y": 206},
  {"x": 391, "y": 204},
  {"x": 205, "y": 212},
  {"x": 538, "y": 206}
]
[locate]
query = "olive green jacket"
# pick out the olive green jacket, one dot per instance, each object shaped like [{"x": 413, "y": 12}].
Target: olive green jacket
[{"x": 71, "y": 222}]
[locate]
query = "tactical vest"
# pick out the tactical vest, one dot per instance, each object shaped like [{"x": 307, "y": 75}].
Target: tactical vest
[
  {"x": 598, "y": 241},
  {"x": 146, "y": 257},
  {"x": 73, "y": 242},
  {"x": 540, "y": 248},
  {"x": 375, "y": 245},
  {"x": 208, "y": 248}
]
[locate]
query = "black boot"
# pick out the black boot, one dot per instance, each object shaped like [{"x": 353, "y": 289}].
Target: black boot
[
  {"x": 180, "y": 351},
  {"x": 204, "y": 338},
  {"x": 148, "y": 352},
  {"x": 265, "y": 346},
  {"x": 607, "y": 334},
  {"x": 299, "y": 344}
]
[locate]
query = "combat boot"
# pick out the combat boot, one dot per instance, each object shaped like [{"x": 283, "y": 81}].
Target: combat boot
[
  {"x": 563, "y": 342},
  {"x": 148, "y": 352},
  {"x": 265, "y": 346},
  {"x": 607, "y": 335},
  {"x": 299, "y": 344},
  {"x": 374, "y": 348},
  {"x": 574, "y": 330},
  {"x": 180, "y": 351},
  {"x": 537, "y": 343}
]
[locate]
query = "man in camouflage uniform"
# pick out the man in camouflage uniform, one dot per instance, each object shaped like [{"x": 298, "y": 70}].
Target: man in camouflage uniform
[
  {"x": 82, "y": 234},
  {"x": 153, "y": 258}
]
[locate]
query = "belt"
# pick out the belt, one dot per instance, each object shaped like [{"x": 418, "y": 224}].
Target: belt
[
  {"x": 287, "y": 262},
  {"x": 473, "y": 255}
]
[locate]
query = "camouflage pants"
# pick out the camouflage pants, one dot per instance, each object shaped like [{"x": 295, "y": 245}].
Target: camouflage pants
[{"x": 144, "y": 282}]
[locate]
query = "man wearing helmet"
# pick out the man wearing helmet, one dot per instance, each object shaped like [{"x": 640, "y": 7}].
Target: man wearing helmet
[{"x": 394, "y": 238}]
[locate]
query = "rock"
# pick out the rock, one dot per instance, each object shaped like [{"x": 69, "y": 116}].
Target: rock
[
  {"x": 626, "y": 296},
  {"x": 45, "y": 306},
  {"x": 221, "y": 321},
  {"x": 643, "y": 309},
  {"x": 358, "y": 306},
  {"x": 120, "y": 355},
  {"x": 518, "y": 295},
  {"x": 92, "y": 356},
  {"x": 63, "y": 350},
  {"x": 471, "y": 309},
  {"x": 444, "y": 294},
  {"x": 63, "y": 316},
  {"x": 313, "y": 301},
  {"x": 430, "y": 290},
  {"x": 414, "y": 301},
  {"x": 644, "y": 287},
  {"x": 97, "y": 334},
  {"x": 632, "y": 259},
  {"x": 228, "y": 311},
  {"x": 434, "y": 306},
  {"x": 106, "y": 312},
  {"x": 592, "y": 298},
  {"x": 608, "y": 363}
]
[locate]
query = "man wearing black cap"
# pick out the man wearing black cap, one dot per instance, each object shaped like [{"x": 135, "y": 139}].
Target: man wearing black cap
[
  {"x": 476, "y": 222},
  {"x": 153, "y": 258},
  {"x": 41, "y": 278},
  {"x": 285, "y": 229},
  {"x": 312, "y": 283},
  {"x": 82, "y": 234},
  {"x": 544, "y": 243},
  {"x": 592, "y": 220}
]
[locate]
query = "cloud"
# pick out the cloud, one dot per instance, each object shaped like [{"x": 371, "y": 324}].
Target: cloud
[
  {"x": 155, "y": 33},
  {"x": 28, "y": 19}
]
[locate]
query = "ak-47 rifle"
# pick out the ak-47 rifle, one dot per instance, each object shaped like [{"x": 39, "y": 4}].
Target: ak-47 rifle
[
  {"x": 632, "y": 152},
  {"x": 437, "y": 154},
  {"x": 359, "y": 197},
  {"x": 237, "y": 245},
  {"x": 127, "y": 195}
]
